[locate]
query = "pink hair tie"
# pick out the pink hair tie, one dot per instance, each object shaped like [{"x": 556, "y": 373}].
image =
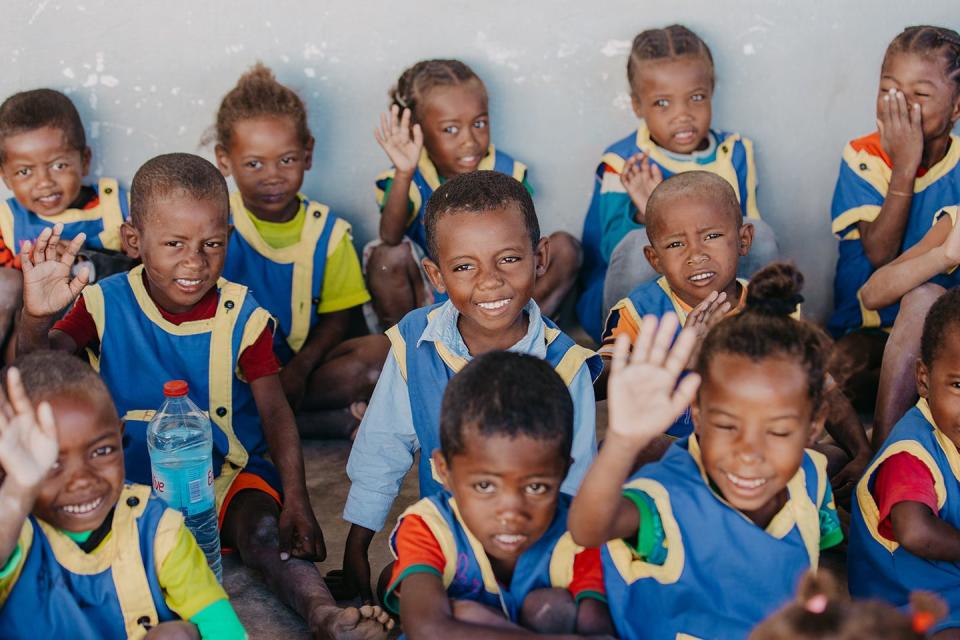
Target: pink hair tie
[{"x": 816, "y": 604}]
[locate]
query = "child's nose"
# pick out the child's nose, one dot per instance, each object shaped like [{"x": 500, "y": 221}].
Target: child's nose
[{"x": 490, "y": 278}]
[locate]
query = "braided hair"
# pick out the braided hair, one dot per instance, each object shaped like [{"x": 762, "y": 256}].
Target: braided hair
[
  {"x": 936, "y": 42},
  {"x": 667, "y": 43},
  {"x": 416, "y": 82}
]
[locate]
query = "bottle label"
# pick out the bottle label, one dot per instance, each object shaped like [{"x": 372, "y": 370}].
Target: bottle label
[{"x": 186, "y": 489}]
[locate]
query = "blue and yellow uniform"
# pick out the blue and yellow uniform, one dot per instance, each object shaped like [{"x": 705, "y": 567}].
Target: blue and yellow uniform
[
  {"x": 428, "y": 366},
  {"x": 426, "y": 180},
  {"x": 700, "y": 578},
  {"x": 879, "y": 567},
  {"x": 466, "y": 572},
  {"x": 148, "y": 569},
  {"x": 860, "y": 193},
  {"x": 101, "y": 221},
  {"x": 316, "y": 272},
  {"x": 653, "y": 298},
  {"x": 611, "y": 213},
  {"x": 135, "y": 337}
]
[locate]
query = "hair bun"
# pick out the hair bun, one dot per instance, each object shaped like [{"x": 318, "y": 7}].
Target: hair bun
[{"x": 775, "y": 290}]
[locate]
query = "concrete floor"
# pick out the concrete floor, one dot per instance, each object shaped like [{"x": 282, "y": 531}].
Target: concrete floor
[{"x": 261, "y": 612}]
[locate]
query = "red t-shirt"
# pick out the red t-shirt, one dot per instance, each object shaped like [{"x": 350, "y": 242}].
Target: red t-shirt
[
  {"x": 417, "y": 546},
  {"x": 902, "y": 478},
  {"x": 256, "y": 361}
]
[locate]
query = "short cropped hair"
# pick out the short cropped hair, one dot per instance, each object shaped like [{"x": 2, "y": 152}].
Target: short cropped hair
[
  {"x": 165, "y": 175},
  {"x": 510, "y": 394},
  {"x": 48, "y": 374},
  {"x": 943, "y": 316},
  {"x": 690, "y": 184},
  {"x": 479, "y": 192},
  {"x": 38, "y": 108}
]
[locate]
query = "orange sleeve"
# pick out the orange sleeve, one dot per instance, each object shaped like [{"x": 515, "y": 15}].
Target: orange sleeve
[
  {"x": 587, "y": 576},
  {"x": 417, "y": 551},
  {"x": 618, "y": 323}
]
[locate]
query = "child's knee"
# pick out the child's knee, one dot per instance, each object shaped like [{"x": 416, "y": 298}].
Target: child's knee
[
  {"x": 389, "y": 260},
  {"x": 549, "y": 611},
  {"x": 916, "y": 303},
  {"x": 565, "y": 251}
]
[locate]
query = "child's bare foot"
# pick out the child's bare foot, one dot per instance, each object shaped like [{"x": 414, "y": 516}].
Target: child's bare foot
[{"x": 369, "y": 622}]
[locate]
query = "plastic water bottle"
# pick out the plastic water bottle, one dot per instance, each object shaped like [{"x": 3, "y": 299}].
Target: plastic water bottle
[{"x": 180, "y": 440}]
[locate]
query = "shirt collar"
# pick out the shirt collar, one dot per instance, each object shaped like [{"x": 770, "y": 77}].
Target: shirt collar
[{"x": 442, "y": 328}]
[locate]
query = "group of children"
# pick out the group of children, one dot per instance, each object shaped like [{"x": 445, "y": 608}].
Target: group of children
[{"x": 437, "y": 338}]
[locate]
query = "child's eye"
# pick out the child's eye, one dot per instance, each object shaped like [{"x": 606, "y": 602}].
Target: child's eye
[
  {"x": 173, "y": 243},
  {"x": 23, "y": 172},
  {"x": 480, "y": 124},
  {"x": 713, "y": 236},
  {"x": 537, "y": 488},
  {"x": 288, "y": 160},
  {"x": 462, "y": 267},
  {"x": 213, "y": 244},
  {"x": 698, "y": 97},
  {"x": 510, "y": 259},
  {"x": 60, "y": 166},
  {"x": 483, "y": 486},
  {"x": 104, "y": 450},
  {"x": 662, "y": 103},
  {"x": 779, "y": 434},
  {"x": 452, "y": 130},
  {"x": 724, "y": 427},
  {"x": 254, "y": 164},
  {"x": 675, "y": 245}
]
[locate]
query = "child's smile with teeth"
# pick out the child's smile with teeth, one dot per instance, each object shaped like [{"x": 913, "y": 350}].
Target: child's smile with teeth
[
  {"x": 702, "y": 276},
  {"x": 496, "y": 304},
  {"x": 82, "y": 509}
]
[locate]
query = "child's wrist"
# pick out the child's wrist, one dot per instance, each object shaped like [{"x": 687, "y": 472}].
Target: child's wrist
[{"x": 623, "y": 446}]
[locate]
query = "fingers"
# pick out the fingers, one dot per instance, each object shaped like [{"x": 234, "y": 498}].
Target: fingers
[
  {"x": 621, "y": 353},
  {"x": 18, "y": 395},
  {"x": 644, "y": 340},
  {"x": 45, "y": 420},
  {"x": 285, "y": 539},
  {"x": 685, "y": 393},
  {"x": 655, "y": 174},
  {"x": 417, "y": 136},
  {"x": 405, "y": 122},
  {"x": 39, "y": 246},
  {"x": 50, "y": 250},
  {"x": 679, "y": 355},
  {"x": 79, "y": 282},
  {"x": 70, "y": 253},
  {"x": 660, "y": 349}
]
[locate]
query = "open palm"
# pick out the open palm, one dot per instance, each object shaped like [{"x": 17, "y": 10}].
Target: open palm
[
  {"x": 47, "y": 286},
  {"x": 951, "y": 246},
  {"x": 644, "y": 398},
  {"x": 28, "y": 437},
  {"x": 402, "y": 142}
]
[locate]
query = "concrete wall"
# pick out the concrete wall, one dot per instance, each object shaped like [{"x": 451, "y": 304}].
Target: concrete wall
[{"x": 798, "y": 77}]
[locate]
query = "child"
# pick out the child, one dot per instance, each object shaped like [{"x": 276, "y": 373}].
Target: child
[
  {"x": 905, "y": 526},
  {"x": 486, "y": 255},
  {"x": 175, "y": 318},
  {"x": 497, "y": 533},
  {"x": 84, "y": 555},
  {"x": 712, "y": 538},
  {"x": 296, "y": 257},
  {"x": 697, "y": 238},
  {"x": 824, "y": 610},
  {"x": 44, "y": 158},
  {"x": 446, "y": 102},
  {"x": 891, "y": 184},
  {"x": 671, "y": 78}
]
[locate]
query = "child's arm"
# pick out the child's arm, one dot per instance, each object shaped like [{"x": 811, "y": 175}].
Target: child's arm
[
  {"x": 923, "y": 534},
  {"x": 48, "y": 290},
  {"x": 28, "y": 450},
  {"x": 402, "y": 144},
  {"x": 330, "y": 330},
  {"x": 901, "y": 135},
  {"x": 938, "y": 251},
  {"x": 300, "y": 534},
  {"x": 644, "y": 400}
]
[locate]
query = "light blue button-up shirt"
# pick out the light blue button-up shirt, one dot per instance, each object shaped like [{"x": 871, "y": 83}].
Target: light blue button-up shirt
[{"x": 386, "y": 442}]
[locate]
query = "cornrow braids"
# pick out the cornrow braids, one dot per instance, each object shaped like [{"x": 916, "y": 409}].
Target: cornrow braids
[
  {"x": 933, "y": 41},
  {"x": 659, "y": 44},
  {"x": 258, "y": 95},
  {"x": 765, "y": 329},
  {"x": 416, "y": 81}
]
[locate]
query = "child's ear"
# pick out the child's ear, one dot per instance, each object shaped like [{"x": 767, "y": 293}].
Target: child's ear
[
  {"x": 541, "y": 256},
  {"x": 308, "y": 154},
  {"x": 130, "y": 239},
  {"x": 923, "y": 379},
  {"x": 955, "y": 114},
  {"x": 433, "y": 273},
  {"x": 695, "y": 414},
  {"x": 746, "y": 238},
  {"x": 653, "y": 258},
  {"x": 85, "y": 157},
  {"x": 441, "y": 468},
  {"x": 223, "y": 159}
]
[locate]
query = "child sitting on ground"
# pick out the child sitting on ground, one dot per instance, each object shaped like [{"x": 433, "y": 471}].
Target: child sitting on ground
[
  {"x": 172, "y": 318},
  {"x": 905, "y": 527},
  {"x": 697, "y": 238},
  {"x": 446, "y": 104},
  {"x": 823, "y": 610},
  {"x": 84, "y": 555},
  {"x": 486, "y": 253},
  {"x": 891, "y": 185},
  {"x": 671, "y": 77},
  {"x": 491, "y": 550},
  {"x": 44, "y": 158},
  {"x": 711, "y": 539},
  {"x": 296, "y": 256}
]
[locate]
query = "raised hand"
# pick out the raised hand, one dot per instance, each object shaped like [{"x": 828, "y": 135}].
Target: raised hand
[
  {"x": 703, "y": 317},
  {"x": 401, "y": 141},
  {"x": 901, "y": 132},
  {"x": 640, "y": 177},
  {"x": 47, "y": 286},
  {"x": 28, "y": 438},
  {"x": 643, "y": 396}
]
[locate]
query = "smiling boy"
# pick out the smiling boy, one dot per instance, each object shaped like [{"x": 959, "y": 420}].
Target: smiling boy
[{"x": 486, "y": 254}]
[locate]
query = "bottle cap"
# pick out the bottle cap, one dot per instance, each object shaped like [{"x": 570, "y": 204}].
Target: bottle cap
[{"x": 175, "y": 388}]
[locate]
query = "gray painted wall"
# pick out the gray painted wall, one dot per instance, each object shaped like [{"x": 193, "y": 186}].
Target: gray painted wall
[{"x": 798, "y": 77}]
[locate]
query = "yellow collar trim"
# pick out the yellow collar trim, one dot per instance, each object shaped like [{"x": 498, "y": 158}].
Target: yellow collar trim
[
  {"x": 152, "y": 311},
  {"x": 946, "y": 444},
  {"x": 429, "y": 170}
]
